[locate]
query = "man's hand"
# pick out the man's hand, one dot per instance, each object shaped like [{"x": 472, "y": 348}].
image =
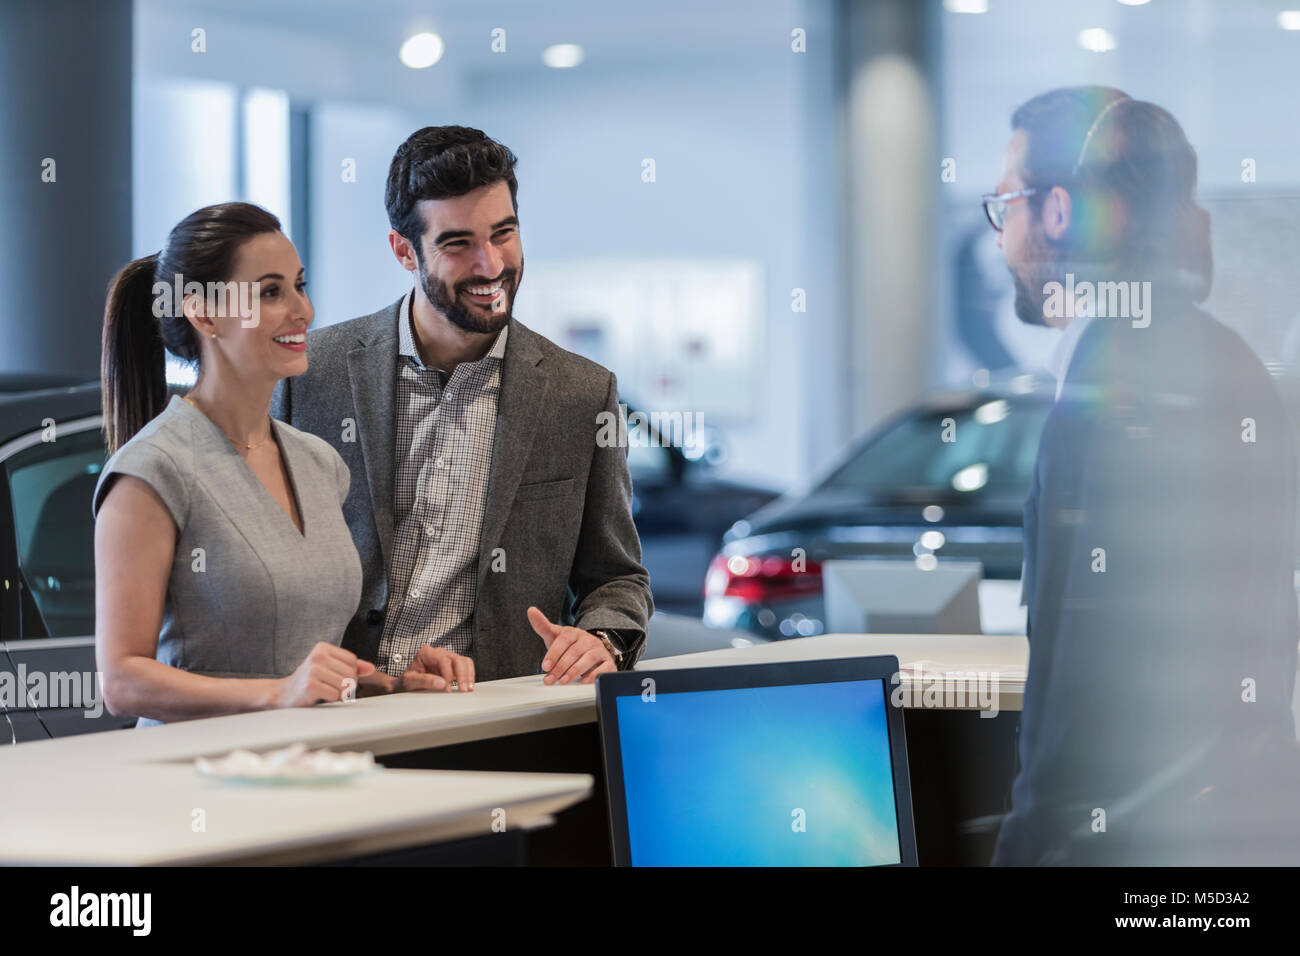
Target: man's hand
[
  {"x": 571, "y": 653},
  {"x": 376, "y": 685},
  {"x": 435, "y": 668}
]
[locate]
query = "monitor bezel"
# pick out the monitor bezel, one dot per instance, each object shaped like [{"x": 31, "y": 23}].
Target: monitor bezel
[{"x": 611, "y": 686}]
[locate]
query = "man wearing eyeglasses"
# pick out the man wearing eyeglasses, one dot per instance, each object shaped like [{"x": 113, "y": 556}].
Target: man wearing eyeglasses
[{"x": 1156, "y": 726}]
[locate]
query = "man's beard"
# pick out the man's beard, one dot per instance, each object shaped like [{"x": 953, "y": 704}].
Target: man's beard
[
  {"x": 1029, "y": 302},
  {"x": 448, "y": 302},
  {"x": 1044, "y": 263}
]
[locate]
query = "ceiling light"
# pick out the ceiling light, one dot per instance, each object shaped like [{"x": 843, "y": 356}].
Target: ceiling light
[
  {"x": 1289, "y": 19},
  {"x": 421, "y": 51},
  {"x": 966, "y": 6},
  {"x": 1097, "y": 39},
  {"x": 562, "y": 55}
]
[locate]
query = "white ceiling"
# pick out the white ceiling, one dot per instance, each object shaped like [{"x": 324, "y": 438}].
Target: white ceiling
[
  {"x": 1222, "y": 67},
  {"x": 609, "y": 30}
]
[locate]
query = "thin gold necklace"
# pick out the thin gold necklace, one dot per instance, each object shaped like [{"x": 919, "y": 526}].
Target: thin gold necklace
[{"x": 248, "y": 445}]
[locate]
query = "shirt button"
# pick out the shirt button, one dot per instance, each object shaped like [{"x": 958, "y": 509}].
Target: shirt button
[
  {"x": 439, "y": 463},
  {"x": 415, "y": 593}
]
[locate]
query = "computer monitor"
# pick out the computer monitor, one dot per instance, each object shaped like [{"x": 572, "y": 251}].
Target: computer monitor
[{"x": 785, "y": 764}]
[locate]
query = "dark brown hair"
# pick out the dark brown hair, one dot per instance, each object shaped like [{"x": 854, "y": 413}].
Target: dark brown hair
[
  {"x": 1131, "y": 175},
  {"x": 200, "y": 248},
  {"x": 440, "y": 162}
]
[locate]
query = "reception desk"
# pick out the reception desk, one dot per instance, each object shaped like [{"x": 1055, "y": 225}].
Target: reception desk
[
  {"x": 926, "y": 661},
  {"x": 133, "y": 796}
]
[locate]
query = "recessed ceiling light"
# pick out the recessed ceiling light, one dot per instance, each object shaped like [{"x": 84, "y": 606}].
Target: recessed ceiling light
[
  {"x": 1097, "y": 39},
  {"x": 966, "y": 6},
  {"x": 1134, "y": 3},
  {"x": 421, "y": 50},
  {"x": 1289, "y": 19},
  {"x": 562, "y": 55}
]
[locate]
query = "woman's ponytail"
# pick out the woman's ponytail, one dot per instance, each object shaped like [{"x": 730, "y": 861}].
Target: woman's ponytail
[{"x": 134, "y": 371}]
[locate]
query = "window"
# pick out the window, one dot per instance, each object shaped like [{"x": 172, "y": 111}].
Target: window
[
  {"x": 991, "y": 458},
  {"x": 647, "y": 463},
  {"x": 51, "y": 486}
]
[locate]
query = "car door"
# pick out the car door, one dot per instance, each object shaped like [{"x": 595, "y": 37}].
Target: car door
[{"x": 49, "y": 686}]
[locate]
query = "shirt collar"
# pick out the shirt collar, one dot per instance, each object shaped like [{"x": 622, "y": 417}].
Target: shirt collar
[
  {"x": 1058, "y": 362},
  {"x": 406, "y": 337}
]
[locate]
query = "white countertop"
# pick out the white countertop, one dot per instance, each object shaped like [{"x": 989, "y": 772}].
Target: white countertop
[
  {"x": 149, "y": 814},
  {"x": 130, "y": 796},
  {"x": 382, "y": 725},
  {"x": 403, "y": 722},
  {"x": 925, "y": 660}
]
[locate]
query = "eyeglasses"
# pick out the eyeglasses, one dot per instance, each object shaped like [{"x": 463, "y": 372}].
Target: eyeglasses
[{"x": 995, "y": 205}]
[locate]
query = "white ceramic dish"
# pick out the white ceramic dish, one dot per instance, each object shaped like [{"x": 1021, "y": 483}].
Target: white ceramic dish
[{"x": 294, "y": 764}]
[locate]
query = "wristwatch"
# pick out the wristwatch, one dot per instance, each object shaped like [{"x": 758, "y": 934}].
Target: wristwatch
[{"x": 610, "y": 646}]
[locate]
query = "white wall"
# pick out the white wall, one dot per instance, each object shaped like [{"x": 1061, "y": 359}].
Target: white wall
[
  {"x": 740, "y": 128},
  {"x": 183, "y": 154},
  {"x": 353, "y": 271},
  {"x": 725, "y": 142}
]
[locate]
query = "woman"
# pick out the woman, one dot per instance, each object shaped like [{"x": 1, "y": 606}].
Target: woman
[{"x": 224, "y": 571}]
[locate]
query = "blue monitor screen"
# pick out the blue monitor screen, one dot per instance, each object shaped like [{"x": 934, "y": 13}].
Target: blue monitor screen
[{"x": 762, "y": 776}]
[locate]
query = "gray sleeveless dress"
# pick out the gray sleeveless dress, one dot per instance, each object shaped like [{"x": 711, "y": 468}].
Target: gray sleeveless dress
[{"x": 249, "y": 595}]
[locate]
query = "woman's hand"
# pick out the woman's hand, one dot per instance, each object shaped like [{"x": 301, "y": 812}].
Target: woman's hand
[{"x": 328, "y": 673}]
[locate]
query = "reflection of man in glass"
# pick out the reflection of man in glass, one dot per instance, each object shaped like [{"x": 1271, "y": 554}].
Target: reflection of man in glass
[{"x": 1159, "y": 531}]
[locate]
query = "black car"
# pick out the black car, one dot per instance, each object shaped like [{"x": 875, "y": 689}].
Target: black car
[
  {"x": 51, "y": 453},
  {"x": 682, "y": 509},
  {"x": 945, "y": 480}
]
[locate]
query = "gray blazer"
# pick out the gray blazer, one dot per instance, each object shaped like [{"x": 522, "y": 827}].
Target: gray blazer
[{"x": 558, "y": 505}]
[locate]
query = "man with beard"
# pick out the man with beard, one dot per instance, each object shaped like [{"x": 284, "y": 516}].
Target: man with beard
[
  {"x": 1156, "y": 726},
  {"x": 495, "y": 532}
]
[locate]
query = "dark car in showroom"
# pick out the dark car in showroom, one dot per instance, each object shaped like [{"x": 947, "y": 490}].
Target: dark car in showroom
[
  {"x": 682, "y": 507},
  {"x": 945, "y": 480},
  {"x": 51, "y": 453}
]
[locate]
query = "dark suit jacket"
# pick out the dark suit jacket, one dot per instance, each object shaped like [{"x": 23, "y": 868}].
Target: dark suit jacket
[
  {"x": 558, "y": 504},
  {"x": 1162, "y": 613}
]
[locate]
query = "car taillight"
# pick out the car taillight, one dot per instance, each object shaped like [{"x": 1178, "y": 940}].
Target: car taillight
[{"x": 761, "y": 580}]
